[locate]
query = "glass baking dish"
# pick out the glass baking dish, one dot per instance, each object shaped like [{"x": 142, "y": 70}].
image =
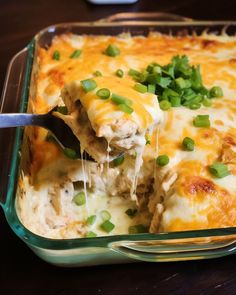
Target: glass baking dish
[{"x": 175, "y": 246}]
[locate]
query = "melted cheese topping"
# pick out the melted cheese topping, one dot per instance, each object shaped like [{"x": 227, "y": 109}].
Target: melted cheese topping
[{"x": 186, "y": 196}]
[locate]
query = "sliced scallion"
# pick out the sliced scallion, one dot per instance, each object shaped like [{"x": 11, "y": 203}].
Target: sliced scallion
[
  {"x": 105, "y": 215},
  {"x": 202, "y": 121},
  {"x": 88, "y": 85},
  {"x": 140, "y": 88},
  {"x": 107, "y": 226},
  {"x": 56, "y": 55},
  {"x": 91, "y": 219},
  {"x": 75, "y": 54},
  {"x": 219, "y": 170},
  {"x": 119, "y": 73},
  {"x": 162, "y": 160},
  {"x": 188, "y": 144},
  {"x": 112, "y": 50},
  {"x": 79, "y": 199},
  {"x": 103, "y": 93}
]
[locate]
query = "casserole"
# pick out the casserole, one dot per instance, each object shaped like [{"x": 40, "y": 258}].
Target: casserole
[{"x": 148, "y": 247}]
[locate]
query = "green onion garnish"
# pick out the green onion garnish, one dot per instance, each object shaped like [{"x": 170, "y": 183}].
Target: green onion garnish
[
  {"x": 138, "y": 229},
  {"x": 90, "y": 234},
  {"x": 105, "y": 215},
  {"x": 151, "y": 88},
  {"x": 97, "y": 74},
  {"x": 178, "y": 82},
  {"x": 162, "y": 160},
  {"x": 207, "y": 102},
  {"x": 56, "y": 55},
  {"x": 131, "y": 212},
  {"x": 119, "y": 73},
  {"x": 118, "y": 161},
  {"x": 126, "y": 109},
  {"x": 140, "y": 88},
  {"x": 91, "y": 219},
  {"x": 188, "y": 144},
  {"x": 107, "y": 226},
  {"x": 103, "y": 93},
  {"x": 112, "y": 50},
  {"x": 70, "y": 153},
  {"x": 175, "y": 101},
  {"x": 148, "y": 141},
  {"x": 216, "y": 91},
  {"x": 88, "y": 85},
  {"x": 165, "y": 105},
  {"x": 202, "y": 121},
  {"x": 62, "y": 109},
  {"x": 118, "y": 99},
  {"x": 79, "y": 199},
  {"x": 194, "y": 106},
  {"x": 75, "y": 54},
  {"x": 219, "y": 170}
]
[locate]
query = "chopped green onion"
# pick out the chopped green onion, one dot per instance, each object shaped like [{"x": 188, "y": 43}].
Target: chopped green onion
[
  {"x": 90, "y": 234},
  {"x": 152, "y": 78},
  {"x": 79, "y": 199},
  {"x": 151, "y": 88},
  {"x": 138, "y": 229},
  {"x": 97, "y": 74},
  {"x": 219, "y": 170},
  {"x": 119, "y": 73},
  {"x": 75, "y": 54},
  {"x": 206, "y": 102},
  {"x": 62, "y": 109},
  {"x": 134, "y": 74},
  {"x": 182, "y": 83},
  {"x": 126, "y": 109},
  {"x": 118, "y": 161},
  {"x": 112, "y": 50},
  {"x": 131, "y": 212},
  {"x": 165, "y": 105},
  {"x": 194, "y": 106},
  {"x": 70, "y": 153},
  {"x": 175, "y": 101},
  {"x": 91, "y": 219},
  {"x": 105, "y": 215},
  {"x": 163, "y": 82},
  {"x": 118, "y": 99},
  {"x": 103, "y": 93},
  {"x": 216, "y": 91},
  {"x": 140, "y": 87},
  {"x": 148, "y": 141},
  {"x": 188, "y": 144},
  {"x": 56, "y": 55},
  {"x": 202, "y": 121},
  {"x": 88, "y": 85},
  {"x": 162, "y": 160},
  {"x": 107, "y": 226}
]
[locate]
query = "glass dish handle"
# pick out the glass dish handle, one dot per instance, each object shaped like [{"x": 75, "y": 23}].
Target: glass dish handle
[
  {"x": 174, "y": 250},
  {"x": 10, "y": 102},
  {"x": 145, "y": 16}
]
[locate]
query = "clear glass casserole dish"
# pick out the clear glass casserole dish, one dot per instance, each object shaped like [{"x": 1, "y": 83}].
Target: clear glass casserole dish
[{"x": 173, "y": 246}]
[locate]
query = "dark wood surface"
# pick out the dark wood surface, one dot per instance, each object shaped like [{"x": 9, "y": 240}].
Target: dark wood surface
[{"x": 21, "y": 272}]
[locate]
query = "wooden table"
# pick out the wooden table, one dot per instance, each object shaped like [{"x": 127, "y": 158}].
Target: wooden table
[{"x": 21, "y": 272}]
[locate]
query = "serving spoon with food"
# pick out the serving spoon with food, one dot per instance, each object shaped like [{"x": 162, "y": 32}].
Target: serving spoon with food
[
  {"x": 58, "y": 128},
  {"x": 60, "y": 131}
]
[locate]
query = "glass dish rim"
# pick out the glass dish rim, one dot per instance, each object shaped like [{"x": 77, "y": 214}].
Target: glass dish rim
[{"x": 63, "y": 244}]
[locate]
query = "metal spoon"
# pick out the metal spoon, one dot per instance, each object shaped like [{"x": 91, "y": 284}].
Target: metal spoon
[{"x": 62, "y": 133}]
